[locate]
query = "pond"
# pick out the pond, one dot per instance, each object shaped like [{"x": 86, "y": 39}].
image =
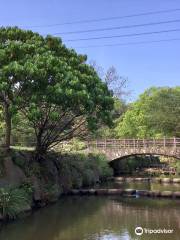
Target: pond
[
  {"x": 98, "y": 218},
  {"x": 146, "y": 185}
]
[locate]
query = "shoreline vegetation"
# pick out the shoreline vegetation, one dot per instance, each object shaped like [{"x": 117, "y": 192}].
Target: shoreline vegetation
[{"x": 36, "y": 185}]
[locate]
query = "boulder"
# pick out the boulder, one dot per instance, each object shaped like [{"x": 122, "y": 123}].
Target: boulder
[
  {"x": 165, "y": 180},
  {"x": 115, "y": 191},
  {"x": 1, "y": 217},
  {"x": 37, "y": 188},
  {"x": 176, "y": 194},
  {"x": 14, "y": 175},
  {"x": 166, "y": 194},
  {"x": 102, "y": 191},
  {"x": 119, "y": 179},
  {"x": 139, "y": 179},
  {"x": 84, "y": 191},
  {"x": 155, "y": 179},
  {"x": 129, "y": 179},
  {"x": 154, "y": 193},
  {"x": 176, "y": 180},
  {"x": 128, "y": 192},
  {"x": 75, "y": 192},
  {"x": 142, "y": 193},
  {"x": 92, "y": 191}
]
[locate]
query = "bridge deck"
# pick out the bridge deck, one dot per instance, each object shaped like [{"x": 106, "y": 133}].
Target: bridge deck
[{"x": 115, "y": 148}]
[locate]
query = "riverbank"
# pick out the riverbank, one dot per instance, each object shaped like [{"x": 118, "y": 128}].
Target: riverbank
[{"x": 26, "y": 184}]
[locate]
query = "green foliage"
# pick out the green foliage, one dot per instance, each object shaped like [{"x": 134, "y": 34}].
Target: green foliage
[
  {"x": 52, "y": 86},
  {"x": 27, "y": 187},
  {"x": 22, "y": 132},
  {"x": 155, "y": 114},
  {"x": 33, "y": 169},
  {"x": 131, "y": 164},
  {"x": 120, "y": 107},
  {"x": 77, "y": 170},
  {"x": 73, "y": 145},
  {"x": 51, "y": 192},
  {"x": 12, "y": 201},
  {"x": 20, "y": 162}
]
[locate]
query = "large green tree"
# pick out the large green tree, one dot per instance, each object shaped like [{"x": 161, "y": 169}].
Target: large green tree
[
  {"x": 19, "y": 74},
  {"x": 52, "y": 86},
  {"x": 155, "y": 114}
]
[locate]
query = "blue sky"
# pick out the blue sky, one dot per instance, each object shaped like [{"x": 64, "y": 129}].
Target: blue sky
[{"x": 145, "y": 65}]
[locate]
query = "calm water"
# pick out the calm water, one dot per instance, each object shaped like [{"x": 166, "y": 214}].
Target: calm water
[
  {"x": 142, "y": 186},
  {"x": 97, "y": 218}
]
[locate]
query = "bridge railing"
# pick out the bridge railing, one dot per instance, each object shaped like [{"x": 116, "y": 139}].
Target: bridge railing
[{"x": 134, "y": 143}]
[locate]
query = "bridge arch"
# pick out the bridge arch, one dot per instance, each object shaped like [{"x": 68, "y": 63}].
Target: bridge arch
[
  {"x": 120, "y": 148},
  {"x": 143, "y": 154}
]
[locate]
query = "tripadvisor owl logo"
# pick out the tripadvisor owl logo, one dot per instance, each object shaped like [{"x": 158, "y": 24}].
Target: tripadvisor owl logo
[{"x": 139, "y": 231}]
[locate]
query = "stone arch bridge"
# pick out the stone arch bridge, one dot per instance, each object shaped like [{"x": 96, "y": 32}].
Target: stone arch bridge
[{"x": 121, "y": 148}]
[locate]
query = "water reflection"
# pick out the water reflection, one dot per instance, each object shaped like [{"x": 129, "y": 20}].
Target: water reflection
[
  {"x": 97, "y": 218},
  {"x": 142, "y": 186}
]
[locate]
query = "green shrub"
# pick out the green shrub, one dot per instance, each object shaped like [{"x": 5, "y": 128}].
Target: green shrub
[
  {"x": 28, "y": 190},
  {"x": 51, "y": 192},
  {"x": 78, "y": 170},
  {"x": 12, "y": 200},
  {"x": 89, "y": 178}
]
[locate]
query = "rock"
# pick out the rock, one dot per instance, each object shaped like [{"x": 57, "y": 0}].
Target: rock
[
  {"x": 139, "y": 179},
  {"x": 129, "y": 179},
  {"x": 154, "y": 193},
  {"x": 84, "y": 191},
  {"x": 52, "y": 171},
  {"x": 37, "y": 188},
  {"x": 165, "y": 180},
  {"x": 1, "y": 217},
  {"x": 115, "y": 191},
  {"x": 128, "y": 192},
  {"x": 110, "y": 179},
  {"x": 119, "y": 179},
  {"x": 176, "y": 180},
  {"x": 176, "y": 194},
  {"x": 75, "y": 192},
  {"x": 155, "y": 179},
  {"x": 142, "y": 179},
  {"x": 142, "y": 193},
  {"x": 166, "y": 194},
  {"x": 92, "y": 191},
  {"x": 102, "y": 191},
  {"x": 14, "y": 176}
]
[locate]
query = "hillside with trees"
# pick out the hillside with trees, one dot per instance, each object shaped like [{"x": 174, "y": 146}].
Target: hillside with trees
[{"x": 155, "y": 114}]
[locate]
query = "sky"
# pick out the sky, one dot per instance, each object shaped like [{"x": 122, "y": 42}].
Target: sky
[{"x": 144, "y": 65}]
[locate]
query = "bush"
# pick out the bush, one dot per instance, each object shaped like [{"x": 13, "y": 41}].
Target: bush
[
  {"x": 12, "y": 201},
  {"x": 51, "y": 192},
  {"x": 78, "y": 170}
]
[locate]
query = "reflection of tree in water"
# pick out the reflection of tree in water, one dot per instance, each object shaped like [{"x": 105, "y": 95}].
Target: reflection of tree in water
[{"x": 91, "y": 218}]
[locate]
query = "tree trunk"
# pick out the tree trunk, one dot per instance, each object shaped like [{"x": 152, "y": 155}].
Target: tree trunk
[
  {"x": 7, "y": 115},
  {"x": 40, "y": 150}
]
